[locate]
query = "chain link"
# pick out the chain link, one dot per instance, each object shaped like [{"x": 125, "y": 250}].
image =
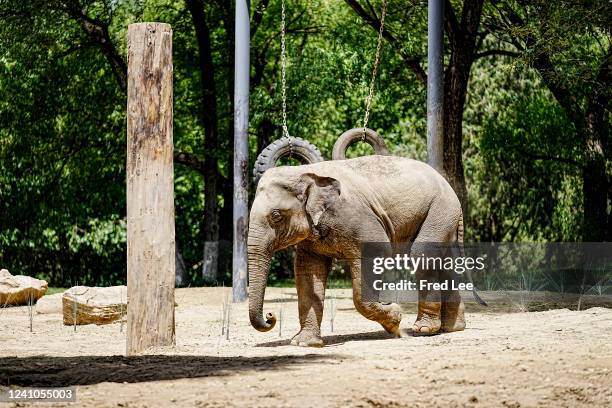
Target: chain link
[
  {"x": 366, "y": 116},
  {"x": 284, "y": 78},
  {"x": 372, "y": 79}
]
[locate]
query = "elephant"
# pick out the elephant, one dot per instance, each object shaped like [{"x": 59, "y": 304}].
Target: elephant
[{"x": 327, "y": 209}]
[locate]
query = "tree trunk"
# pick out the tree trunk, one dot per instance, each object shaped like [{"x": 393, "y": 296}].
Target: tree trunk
[
  {"x": 226, "y": 187},
  {"x": 596, "y": 184},
  {"x": 462, "y": 39},
  {"x": 454, "y": 101},
  {"x": 226, "y": 216},
  {"x": 210, "y": 124},
  {"x": 264, "y": 134},
  {"x": 181, "y": 272},
  {"x": 594, "y": 177},
  {"x": 226, "y": 219},
  {"x": 594, "y": 189}
]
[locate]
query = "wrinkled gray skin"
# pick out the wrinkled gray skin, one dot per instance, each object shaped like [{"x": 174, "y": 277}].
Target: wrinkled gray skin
[{"x": 327, "y": 210}]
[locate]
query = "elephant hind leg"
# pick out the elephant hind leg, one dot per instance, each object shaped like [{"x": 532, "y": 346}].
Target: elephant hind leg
[
  {"x": 388, "y": 315},
  {"x": 437, "y": 309},
  {"x": 453, "y": 316},
  {"x": 453, "y": 309},
  {"x": 429, "y": 315}
]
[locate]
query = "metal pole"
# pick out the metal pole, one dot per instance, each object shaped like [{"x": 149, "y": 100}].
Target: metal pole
[
  {"x": 435, "y": 85},
  {"x": 241, "y": 151}
]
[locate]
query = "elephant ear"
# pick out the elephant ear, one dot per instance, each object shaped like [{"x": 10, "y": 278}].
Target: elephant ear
[{"x": 318, "y": 193}]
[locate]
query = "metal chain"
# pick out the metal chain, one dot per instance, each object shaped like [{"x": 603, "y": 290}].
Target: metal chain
[
  {"x": 372, "y": 79},
  {"x": 366, "y": 116},
  {"x": 284, "y": 78}
]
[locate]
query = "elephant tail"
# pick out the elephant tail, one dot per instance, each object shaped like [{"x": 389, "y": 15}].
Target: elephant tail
[
  {"x": 468, "y": 273},
  {"x": 460, "y": 234}
]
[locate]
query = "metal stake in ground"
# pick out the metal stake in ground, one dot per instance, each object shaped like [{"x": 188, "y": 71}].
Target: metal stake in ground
[
  {"x": 280, "y": 320},
  {"x": 30, "y": 305},
  {"x": 229, "y": 315},
  {"x": 75, "y": 305}
]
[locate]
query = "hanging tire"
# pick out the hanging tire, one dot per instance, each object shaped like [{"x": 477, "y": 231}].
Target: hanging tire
[
  {"x": 299, "y": 148},
  {"x": 351, "y": 136}
]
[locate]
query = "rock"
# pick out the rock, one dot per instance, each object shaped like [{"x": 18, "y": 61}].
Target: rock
[
  {"x": 50, "y": 304},
  {"x": 19, "y": 289},
  {"x": 94, "y": 305}
]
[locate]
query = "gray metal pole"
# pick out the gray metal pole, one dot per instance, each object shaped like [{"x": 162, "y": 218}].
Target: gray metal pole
[
  {"x": 241, "y": 151},
  {"x": 435, "y": 85}
]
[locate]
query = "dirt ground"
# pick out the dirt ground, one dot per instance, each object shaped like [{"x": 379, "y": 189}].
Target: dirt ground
[{"x": 556, "y": 358}]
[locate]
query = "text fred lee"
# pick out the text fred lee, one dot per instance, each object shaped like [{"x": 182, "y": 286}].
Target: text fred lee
[{"x": 422, "y": 284}]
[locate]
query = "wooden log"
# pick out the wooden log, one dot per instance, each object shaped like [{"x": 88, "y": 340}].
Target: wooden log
[
  {"x": 93, "y": 305},
  {"x": 19, "y": 290},
  {"x": 150, "y": 188}
]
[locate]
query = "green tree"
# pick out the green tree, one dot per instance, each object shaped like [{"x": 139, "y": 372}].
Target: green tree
[{"x": 569, "y": 45}]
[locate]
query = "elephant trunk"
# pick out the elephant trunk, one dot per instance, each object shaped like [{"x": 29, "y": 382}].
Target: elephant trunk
[{"x": 259, "y": 266}]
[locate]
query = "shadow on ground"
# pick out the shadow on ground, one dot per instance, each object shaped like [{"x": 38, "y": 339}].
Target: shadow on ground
[
  {"x": 337, "y": 339},
  {"x": 42, "y": 371}
]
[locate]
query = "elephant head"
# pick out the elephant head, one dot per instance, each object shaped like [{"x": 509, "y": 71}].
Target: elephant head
[{"x": 288, "y": 205}]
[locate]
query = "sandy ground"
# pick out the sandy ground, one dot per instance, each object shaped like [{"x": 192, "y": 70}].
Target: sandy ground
[{"x": 556, "y": 358}]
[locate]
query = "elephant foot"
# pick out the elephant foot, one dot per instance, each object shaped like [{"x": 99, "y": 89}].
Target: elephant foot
[
  {"x": 428, "y": 319},
  {"x": 392, "y": 319},
  {"x": 307, "y": 339},
  {"x": 453, "y": 317},
  {"x": 426, "y": 325}
]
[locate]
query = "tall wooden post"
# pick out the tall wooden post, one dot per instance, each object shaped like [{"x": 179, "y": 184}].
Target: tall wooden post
[{"x": 150, "y": 188}]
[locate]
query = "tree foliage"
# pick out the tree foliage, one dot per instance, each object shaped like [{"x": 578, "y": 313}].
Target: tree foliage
[{"x": 533, "y": 116}]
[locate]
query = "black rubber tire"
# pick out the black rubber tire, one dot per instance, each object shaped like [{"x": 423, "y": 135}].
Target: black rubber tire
[
  {"x": 301, "y": 149},
  {"x": 351, "y": 136}
]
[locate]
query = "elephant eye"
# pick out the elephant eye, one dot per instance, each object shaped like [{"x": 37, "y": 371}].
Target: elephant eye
[{"x": 276, "y": 216}]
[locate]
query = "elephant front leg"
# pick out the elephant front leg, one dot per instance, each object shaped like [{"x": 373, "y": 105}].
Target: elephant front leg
[
  {"x": 311, "y": 272},
  {"x": 389, "y": 316}
]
